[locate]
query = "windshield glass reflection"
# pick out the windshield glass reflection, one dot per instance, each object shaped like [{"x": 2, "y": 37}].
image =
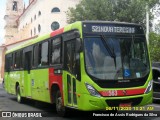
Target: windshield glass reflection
[{"x": 116, "y": 58}]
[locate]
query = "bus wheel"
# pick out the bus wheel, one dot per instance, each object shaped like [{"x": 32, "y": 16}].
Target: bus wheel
[
  {"x": 61, "y": 110},
  {"x": 18, "y": 94}
]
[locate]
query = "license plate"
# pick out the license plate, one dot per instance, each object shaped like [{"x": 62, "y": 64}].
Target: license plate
[{"x": 125, "y": 105}]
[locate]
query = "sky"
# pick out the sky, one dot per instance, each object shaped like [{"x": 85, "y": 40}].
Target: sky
[{"x": 2, "y": 22}]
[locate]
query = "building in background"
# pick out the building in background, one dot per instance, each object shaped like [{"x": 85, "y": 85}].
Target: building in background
[
  {"x": 38, "y": 18},
  {"x": 26, "y": 22},
  {"x": 14, "y": 8}
]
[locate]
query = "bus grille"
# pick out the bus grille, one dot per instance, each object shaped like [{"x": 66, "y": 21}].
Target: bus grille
[{"x": 117, "y": 102}]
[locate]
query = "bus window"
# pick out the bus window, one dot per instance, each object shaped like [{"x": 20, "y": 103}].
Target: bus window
[
  {"x": 21, "y": 59},
  {"x": 8, "y": 63},
  {"x": 27, "y": 61},
  {"x": 70, "y": 57},
  {"x": 17, "y": 60},
  {"x": 56, "y": 51},
  {"x": 43, "y": 54},
  {"x": 35, "y": 56}
]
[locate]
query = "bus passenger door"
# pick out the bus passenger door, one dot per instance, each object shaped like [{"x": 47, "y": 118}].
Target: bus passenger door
[
  {"x": 27, "y": 69},
  {"x": 69, "y": 76}
]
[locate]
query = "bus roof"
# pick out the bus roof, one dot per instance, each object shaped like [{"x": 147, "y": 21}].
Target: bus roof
[
  {"x": 76, "y": 25},
  {"x": 27, "y": 43}
]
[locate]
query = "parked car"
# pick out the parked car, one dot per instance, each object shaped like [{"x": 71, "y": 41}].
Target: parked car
[{"x": 156, "y": 80}]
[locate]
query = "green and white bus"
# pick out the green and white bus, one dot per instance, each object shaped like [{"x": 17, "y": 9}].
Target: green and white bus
[{"x": 87, "y": 65}]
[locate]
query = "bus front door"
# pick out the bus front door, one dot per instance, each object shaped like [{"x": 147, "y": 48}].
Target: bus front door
[
  {"x": 69, "y": 78},
  {"x": 27, "y": 77}
]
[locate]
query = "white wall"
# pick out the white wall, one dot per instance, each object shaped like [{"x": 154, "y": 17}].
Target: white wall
[{"x": 46, "y": 18}]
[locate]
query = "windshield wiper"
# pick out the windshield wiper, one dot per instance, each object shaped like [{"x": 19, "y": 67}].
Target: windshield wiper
[{"x": 109, "y": 49}]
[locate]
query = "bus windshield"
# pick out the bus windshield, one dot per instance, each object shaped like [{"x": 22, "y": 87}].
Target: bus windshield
[{"x": 110, "y": 58}]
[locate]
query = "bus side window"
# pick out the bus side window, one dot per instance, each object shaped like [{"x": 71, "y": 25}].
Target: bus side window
[
  {"x": 7, "y": 63},
  {"x": 17, "y": 60},
  {"x": 39, "y": 54},
  {"x": 43, "y": 54},
  {"x": 56, "y": 51},
  {"x": 27, "y": 61},
  {"x": 35, "y": 56},
  {"x": 21, "y": 59},
  {"x": 70, "y": 58}
]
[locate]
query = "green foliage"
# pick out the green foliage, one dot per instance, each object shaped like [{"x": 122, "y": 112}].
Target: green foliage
[
  {"x": 117, "y": 10},
  {"x": 157, "y": 28},
  {"x": 111, "y": 10},
  {"x": 154, "y": 45}
]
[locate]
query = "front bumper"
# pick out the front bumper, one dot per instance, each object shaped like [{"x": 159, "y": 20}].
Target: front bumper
[{"x": 87, "y": 102}]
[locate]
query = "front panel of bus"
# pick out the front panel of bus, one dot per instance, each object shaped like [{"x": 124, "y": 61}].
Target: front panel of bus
[{"x": 115, "y": 67}]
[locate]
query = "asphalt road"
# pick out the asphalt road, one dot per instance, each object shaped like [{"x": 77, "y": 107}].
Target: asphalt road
[{"x": 47, "y": 111}]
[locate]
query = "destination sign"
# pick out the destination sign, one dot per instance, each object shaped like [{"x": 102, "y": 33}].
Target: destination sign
[{"x": 112, "y": 29}]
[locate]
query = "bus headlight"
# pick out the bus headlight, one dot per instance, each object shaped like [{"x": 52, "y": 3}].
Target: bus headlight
[
  {"x": 149, "y": 87},
  {"x": 92, "y": 90}
]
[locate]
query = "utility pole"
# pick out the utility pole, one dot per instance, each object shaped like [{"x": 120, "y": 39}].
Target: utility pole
[{"x": 147, "y": 23}]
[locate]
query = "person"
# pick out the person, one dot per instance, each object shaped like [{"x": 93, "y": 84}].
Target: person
[{"x": 3, "y": 83}]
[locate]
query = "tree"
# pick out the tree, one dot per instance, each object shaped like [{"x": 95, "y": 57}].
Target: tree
[
  {"x": 154, "y": 40},
  {"x": 111, "y": 10},
  {"x": 157, "y": 28}
]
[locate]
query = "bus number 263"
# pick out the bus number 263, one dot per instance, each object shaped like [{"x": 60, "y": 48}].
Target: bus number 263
[{"x": 112, "y": 92}]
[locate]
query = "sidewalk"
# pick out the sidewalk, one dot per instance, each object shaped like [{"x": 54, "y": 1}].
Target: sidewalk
[{"x": 1, "y": 80}]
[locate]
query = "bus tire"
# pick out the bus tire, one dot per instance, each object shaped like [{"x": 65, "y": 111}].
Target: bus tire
[
  {"x": 18, "y": 94},
  {"x": 60, "y": 108}
]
